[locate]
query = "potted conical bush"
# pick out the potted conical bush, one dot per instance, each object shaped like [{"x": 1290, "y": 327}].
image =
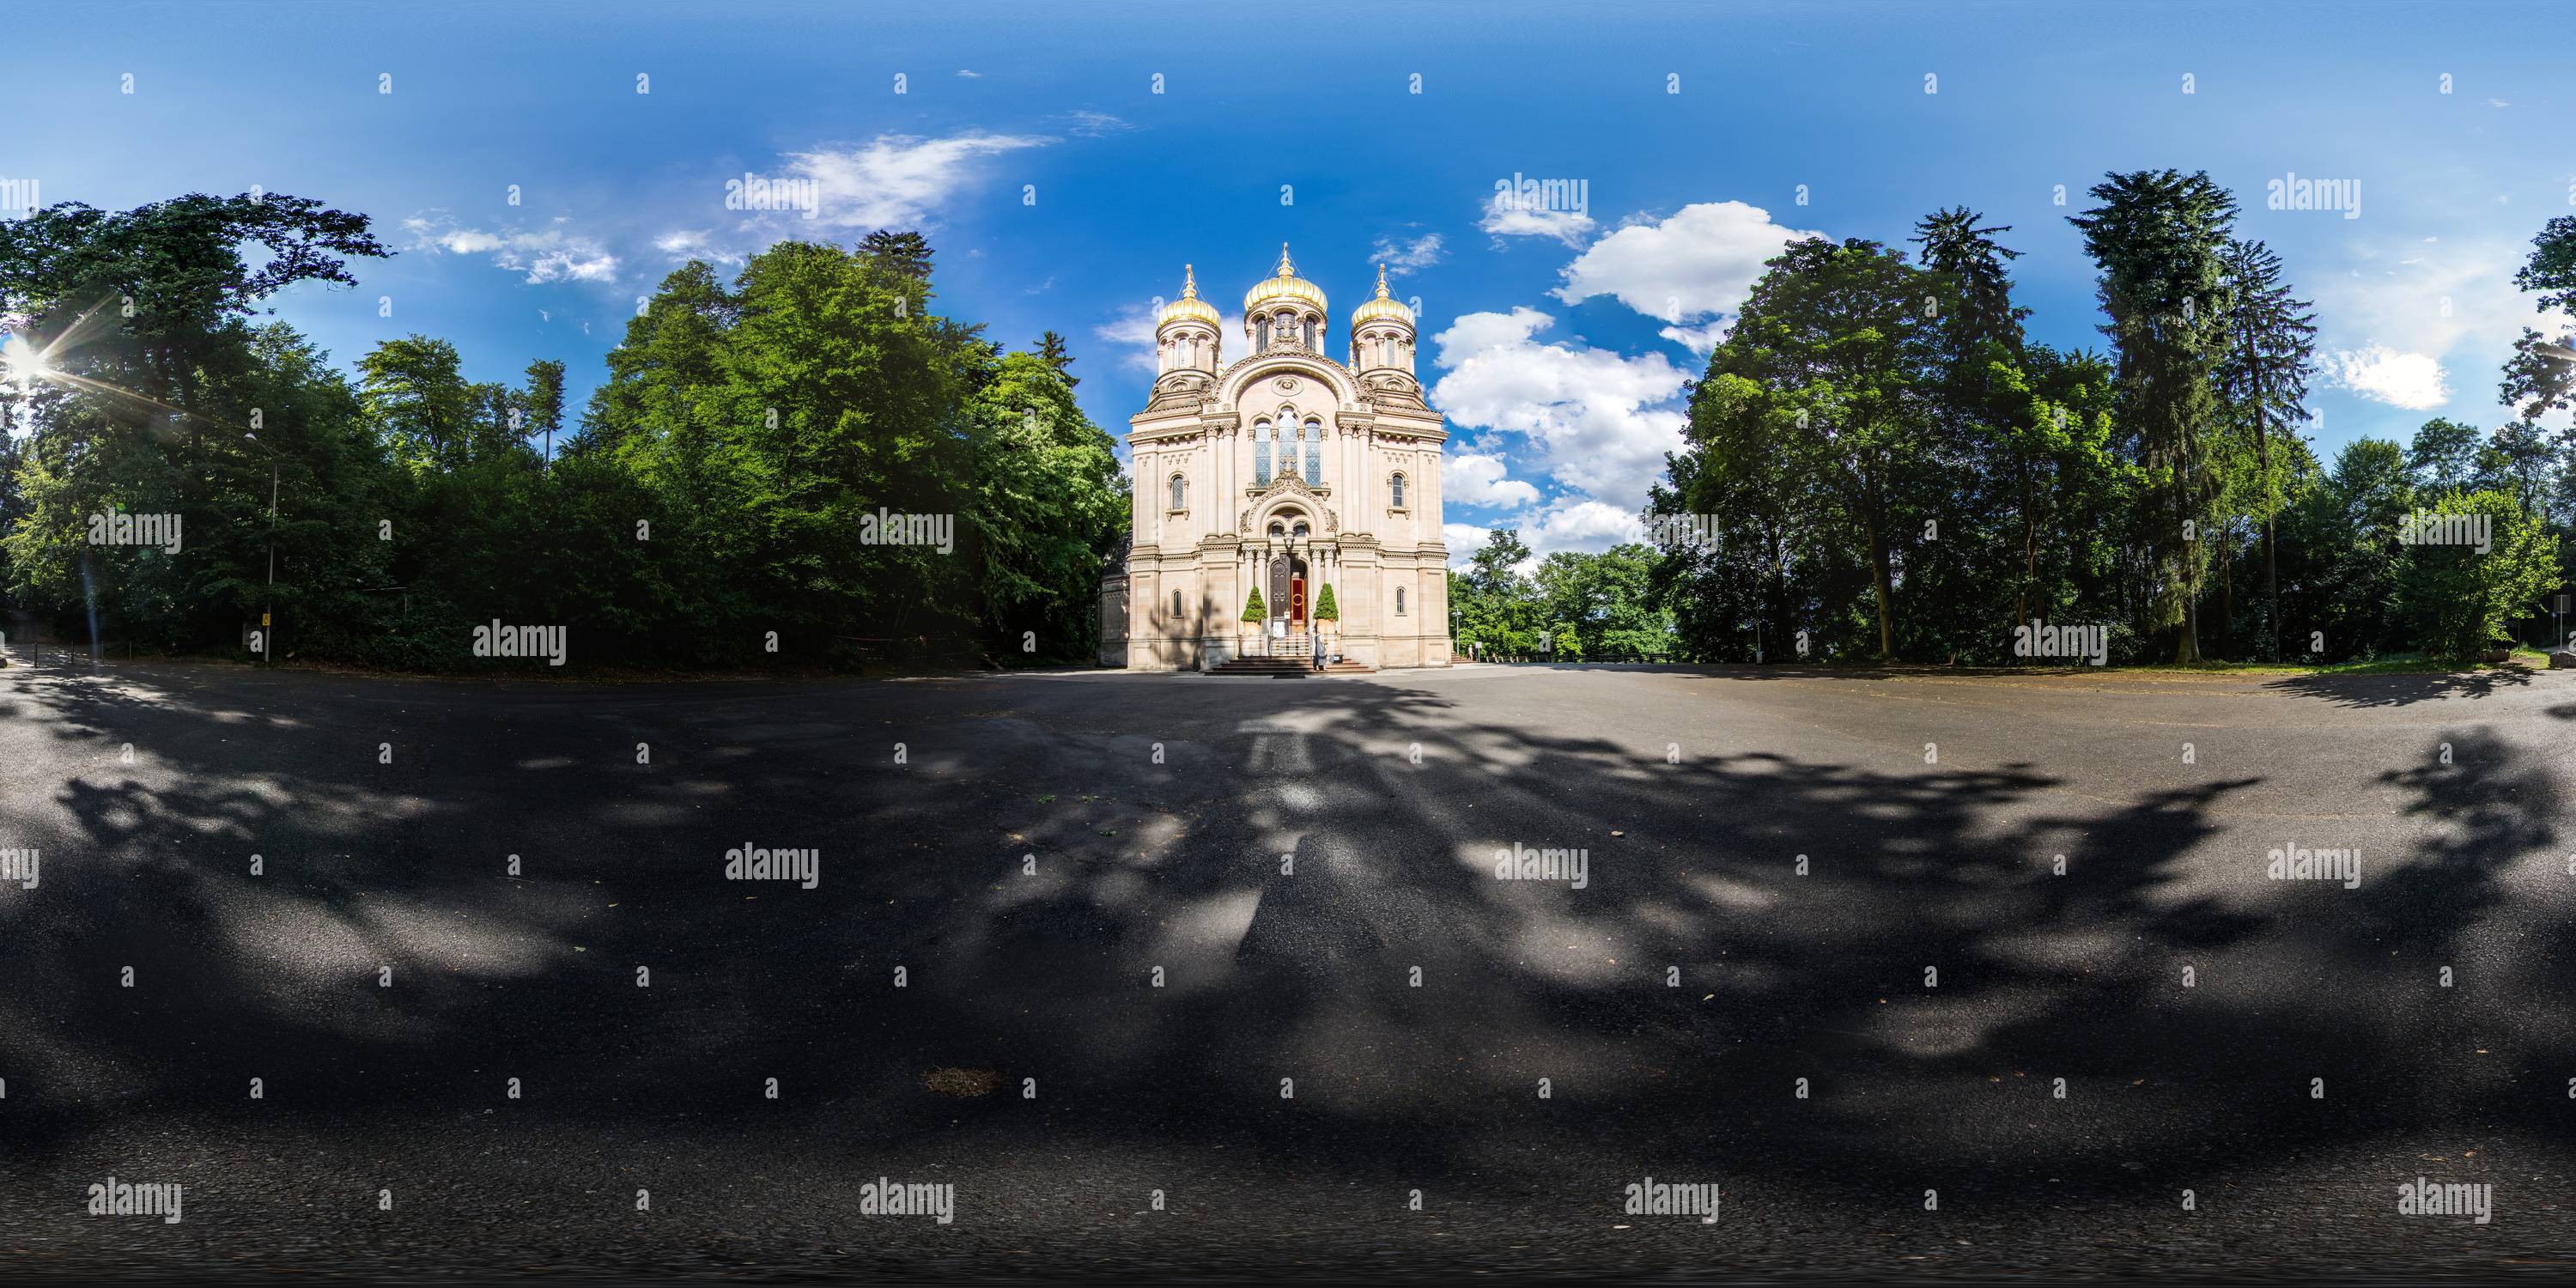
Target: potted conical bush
[{"x": 1254, "y": 614}]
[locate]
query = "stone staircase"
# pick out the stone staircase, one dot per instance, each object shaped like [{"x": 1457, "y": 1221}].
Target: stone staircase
[
  {"x": 1286, "y": 655},
  {"x": 1282, "y": 667}
]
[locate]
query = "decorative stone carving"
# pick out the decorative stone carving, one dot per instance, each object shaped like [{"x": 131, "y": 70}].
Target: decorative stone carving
[{"x": 1182, "y": 389}]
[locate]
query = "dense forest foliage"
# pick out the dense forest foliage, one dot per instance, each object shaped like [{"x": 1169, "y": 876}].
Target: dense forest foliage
[
  {"x": 804, "y": 464},
  {"x": 807, "y": 463},
  {"x": 1880, "y": 464}
]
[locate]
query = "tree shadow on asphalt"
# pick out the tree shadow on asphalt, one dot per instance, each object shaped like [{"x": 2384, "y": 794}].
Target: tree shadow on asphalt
[
  {"x": 2403, "y": 688},
  {"x": 1286, "y": 861}
]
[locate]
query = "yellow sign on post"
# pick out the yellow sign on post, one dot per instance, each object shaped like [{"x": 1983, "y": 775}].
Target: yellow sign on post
[{"x": 263, "y": 619}]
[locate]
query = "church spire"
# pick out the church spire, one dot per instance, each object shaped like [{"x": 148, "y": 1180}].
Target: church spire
[
  {"x": 1286, "y": 269},
  {"x": 1381, "y": 281},
  {"x": 1190, "y": 281}
]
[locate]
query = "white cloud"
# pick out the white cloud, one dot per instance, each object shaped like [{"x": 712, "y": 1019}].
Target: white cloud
[
  {"x": 2412, "y": 381},
  {"x": 681, "y": 245},
  {"x": 1463, "y": 540},
  {"x": 1567, "y": 226},
  {"x": 1402, "y": 257},
  {"x": 1132, "y": 330},
  {"x": 1477, "y": 480},
  {"x": 1092, "y": 125},
  {"x": 2407, "y": 309},
  {"x": 1698, "y": 264},
  {"x": 970, "y": 75},
  {"x": 1589, "y": 526},
  {"x": 1599, "y": 419},
  {"x": 896, "y": 180},
  {"x": 1702, "y": 340},
  {"x": 549, "y": 254}
]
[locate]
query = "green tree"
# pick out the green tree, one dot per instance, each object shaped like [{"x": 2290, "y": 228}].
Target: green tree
[
  {"x": 2354, "y": 518},
  {"x": 1254, "y": 611},
  {"x": 2444, "y": 455},
  {"x": 2458, "y": 598},
  {"x": 1979, "y": 270},
  {"x": 2541, "y": 375},
  {"x": 1495, "y": 566},
  {"x": 414, "y": 393},
  {"x": 2263, "y": 381},
  {"x": 161, "y": 384},
  {"x": 1052, "y": 351},
  {"x": 2160, "y": 240},
  {"x": 543, "y": 404},
  {"x": 1829, "y": 363}
]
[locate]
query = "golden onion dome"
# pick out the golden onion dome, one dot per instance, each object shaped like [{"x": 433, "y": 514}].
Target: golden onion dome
[
  {"x": 1188, "y": 308},
  {"x": 1383, "y": 308},
  {"x": 1285, "y": 286}
]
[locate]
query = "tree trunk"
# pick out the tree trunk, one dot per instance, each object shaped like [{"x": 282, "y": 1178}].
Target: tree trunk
[
  {"x": 2271, "y": 568},
  {"x": 2227, "y": 593},
  {"x": 2272, "y": 593},
  {"x": 1879, "y": 575},
  {"x": 2029, "y": 555}
]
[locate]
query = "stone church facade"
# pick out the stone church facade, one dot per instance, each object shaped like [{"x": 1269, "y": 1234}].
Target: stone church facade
[{"x": 1286, "y": 471}]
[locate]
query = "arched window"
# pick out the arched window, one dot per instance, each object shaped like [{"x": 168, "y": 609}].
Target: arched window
[
  {"x": 1176, "y": 603},
  {"x": 1260, "y": 451},
  {"x": 1262, "y": 340},
  {"x": 1300, "y": 529},
  {"x": 1310, "y": 333},
  {"x": 1399, "y": 601},
  {"x": 1277, "y": 529},
  {"x": 1314, "y": 453},
  {"x": 1395, "y": 492},
  {"x": 1180, "y": 493}
]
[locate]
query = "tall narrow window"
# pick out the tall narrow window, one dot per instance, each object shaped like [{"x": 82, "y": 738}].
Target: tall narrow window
[
  {"x": 1262, "y": 341},
  {"x": 1399, "y": 601},
  {"x": 1310, "y": 333},
  {"x": 1395, "y": 492},
  {"x": 1176, "y": 603},
  {"x": 1314, "y": 453},
  {"x": 1180, "y": 493},
  {"x": 1260, "y": 452}
]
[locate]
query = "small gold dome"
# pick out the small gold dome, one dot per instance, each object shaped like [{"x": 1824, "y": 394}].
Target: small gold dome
[
  {"x": 1384, "y": 307},
  {"x": 1285, "y": 286},
  {"x": 1188, "y": 308}
]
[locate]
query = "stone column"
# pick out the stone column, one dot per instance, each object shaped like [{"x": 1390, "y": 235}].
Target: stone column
[{"x": 1152, "y": 525}]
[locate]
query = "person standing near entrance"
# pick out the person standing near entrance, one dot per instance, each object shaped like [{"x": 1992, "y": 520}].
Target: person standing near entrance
[{"x": 1319, "y": 650}]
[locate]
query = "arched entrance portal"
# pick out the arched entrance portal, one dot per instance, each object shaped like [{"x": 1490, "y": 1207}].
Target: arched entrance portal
[
  {"x": 1289, "y": 604},
  {"x": 1289, "y": 593}
]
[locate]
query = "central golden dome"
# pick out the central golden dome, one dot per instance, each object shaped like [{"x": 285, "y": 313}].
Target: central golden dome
[{"x": 1285, "y": 286}]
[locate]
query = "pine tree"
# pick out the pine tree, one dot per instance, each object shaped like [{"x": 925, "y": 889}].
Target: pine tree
[
  {"x": 1955, "y": 246},
  {"x": 2160, "y": 238},
  {"x": 1051, "y": 349},
  {"x": 906, "y": 252},
  {"x": 1253, "y": 609},
  {"x": 544, "y": 402},
  {"x": 2272, "y": 340},
  {"x": 1325, "y": 609}
]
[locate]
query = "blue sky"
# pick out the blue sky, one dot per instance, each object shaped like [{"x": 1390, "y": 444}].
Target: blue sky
[{"x": 1062, "y": 193}]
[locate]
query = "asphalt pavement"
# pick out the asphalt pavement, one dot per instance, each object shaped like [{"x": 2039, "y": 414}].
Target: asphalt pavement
[{"x": 1183, "y": 976}]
